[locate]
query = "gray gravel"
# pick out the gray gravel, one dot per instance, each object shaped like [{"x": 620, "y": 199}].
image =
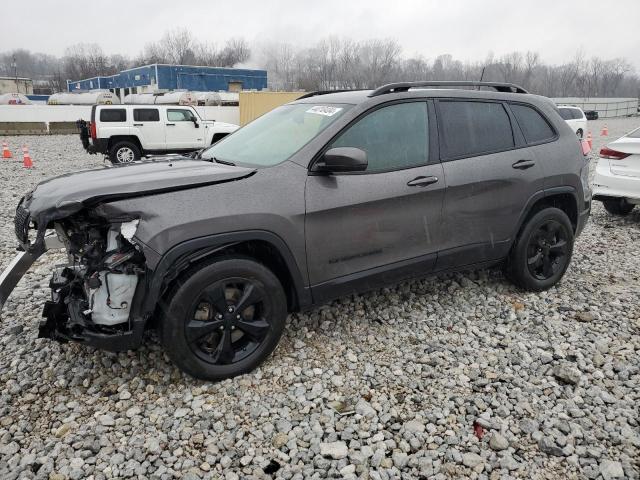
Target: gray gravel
[{"x": 397, "y": 383}]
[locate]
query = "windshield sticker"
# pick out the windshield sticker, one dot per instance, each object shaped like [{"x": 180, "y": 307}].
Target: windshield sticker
[{"x": 324, "y": 110}]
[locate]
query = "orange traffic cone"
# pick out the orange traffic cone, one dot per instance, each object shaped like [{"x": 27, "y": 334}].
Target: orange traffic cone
[
  {"x": 26, "y": 159},
  {"x": 604, "y": 132},
  {"x": 590, "y": 140},
  {"x": 6, "y": 153}
]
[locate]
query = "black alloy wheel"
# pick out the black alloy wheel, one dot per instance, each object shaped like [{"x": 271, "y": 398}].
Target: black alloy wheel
[
  {"x": 542, "y": 251},
  {"x": 224, "y": 318},
  {"x": 228, "y": 321},
  {"x": 548, "y": 250}
]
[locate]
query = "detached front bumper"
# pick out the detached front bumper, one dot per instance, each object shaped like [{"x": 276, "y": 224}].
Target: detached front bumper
[{"x": 21, "y": 264}]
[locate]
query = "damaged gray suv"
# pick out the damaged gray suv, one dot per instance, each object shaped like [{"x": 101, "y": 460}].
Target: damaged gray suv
[{"x": 333, "y": 194}]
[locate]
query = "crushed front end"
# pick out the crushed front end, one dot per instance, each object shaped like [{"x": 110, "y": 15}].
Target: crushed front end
[{"x": 93, "y": 294}]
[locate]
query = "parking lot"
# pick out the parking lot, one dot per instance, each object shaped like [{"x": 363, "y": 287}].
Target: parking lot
[{"x": 460, "y": 375}]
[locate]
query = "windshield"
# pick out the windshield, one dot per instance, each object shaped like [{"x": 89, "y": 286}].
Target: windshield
[{"x": 275, "y": 136}]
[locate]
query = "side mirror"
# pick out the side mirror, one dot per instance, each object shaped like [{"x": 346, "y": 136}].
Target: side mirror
[
  {"x": 195, "y": 122},
  {"x": 342, "y": 159}
]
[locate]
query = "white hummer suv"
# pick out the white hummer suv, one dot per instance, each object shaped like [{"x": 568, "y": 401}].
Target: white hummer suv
[{"x": 127, "y": 132}]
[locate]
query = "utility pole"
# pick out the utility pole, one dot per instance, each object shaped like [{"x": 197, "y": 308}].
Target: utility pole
[{"x": 15, "y": 73}]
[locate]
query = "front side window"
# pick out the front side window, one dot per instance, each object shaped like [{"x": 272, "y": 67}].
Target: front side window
[
  {"x": 113, "y": 115},
  {"x": 473, "y": 128},
  {"x": 146, "y": 115},
  {"x": 277, "y": 135},
  {"x": 577, "y": 114},
  {"x": 565, "y": 113},
  {"x": 179, "y": 115},
  {"x": 534, "y": 127},
  {"x": 393, "y": 137}
]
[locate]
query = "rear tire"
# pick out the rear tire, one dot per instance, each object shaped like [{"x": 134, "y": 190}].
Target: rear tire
[
  {"x": 542, "y": 252},
  {"x": 124, "y": 152},
  {"x": 618, "y": 206},
  {"x": 224, "y": 319}
]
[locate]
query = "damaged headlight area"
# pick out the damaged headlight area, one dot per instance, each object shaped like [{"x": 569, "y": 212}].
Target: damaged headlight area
[{"x": 93, "y": 294}]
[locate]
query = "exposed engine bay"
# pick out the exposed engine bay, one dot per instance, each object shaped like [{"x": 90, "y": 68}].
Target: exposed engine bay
[{"x": 93, "y": 293}]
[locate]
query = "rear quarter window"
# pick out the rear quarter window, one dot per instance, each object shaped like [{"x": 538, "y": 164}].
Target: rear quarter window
[
  {"x": 533, "y": 125},
  {"x": 113, "y": 115},
  {"x": 473, "y": 128}
]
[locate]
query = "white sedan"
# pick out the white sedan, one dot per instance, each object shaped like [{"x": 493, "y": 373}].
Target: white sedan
[
  {"x": 575, "y": 118},
  {"x": 617, "y": 179}
]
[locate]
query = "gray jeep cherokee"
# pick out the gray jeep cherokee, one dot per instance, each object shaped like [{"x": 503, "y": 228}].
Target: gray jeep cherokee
[{"x": 332, "y": 194}]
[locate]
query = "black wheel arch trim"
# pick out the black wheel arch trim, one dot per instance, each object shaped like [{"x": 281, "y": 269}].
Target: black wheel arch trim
[
  {"x": 546, "y": 193},
  {"x": 183, "y": 255}
]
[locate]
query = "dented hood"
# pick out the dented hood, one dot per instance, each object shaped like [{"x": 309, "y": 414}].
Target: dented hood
[{"x": 61, "y": 196}]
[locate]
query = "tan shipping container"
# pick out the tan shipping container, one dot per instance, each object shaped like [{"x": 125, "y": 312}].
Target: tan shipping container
[{"x": 254, "y": 104}]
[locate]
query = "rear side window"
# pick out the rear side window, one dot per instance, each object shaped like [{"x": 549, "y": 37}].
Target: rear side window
[
  {"x": 394, "y": 137},
  {"x": 113, "y": 115},
  {"x": 473, "y": 128},
  {"x": 533, "y": 125},
  {"x": 146, "y": 115}
]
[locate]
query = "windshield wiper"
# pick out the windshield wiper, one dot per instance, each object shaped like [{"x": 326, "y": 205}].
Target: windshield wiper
[{"x": 224, "y": 162}]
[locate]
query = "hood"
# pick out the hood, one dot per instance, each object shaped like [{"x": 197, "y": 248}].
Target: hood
[{"x": 62, "y": 196}]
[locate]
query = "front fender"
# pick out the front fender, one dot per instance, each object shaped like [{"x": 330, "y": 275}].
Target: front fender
[{"x": 208, "y": 245}]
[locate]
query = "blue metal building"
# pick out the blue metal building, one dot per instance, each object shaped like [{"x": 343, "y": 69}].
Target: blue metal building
[{"x": 157, "y": 77}]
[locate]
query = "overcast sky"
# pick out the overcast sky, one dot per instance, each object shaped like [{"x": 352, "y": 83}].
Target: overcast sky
[{"x": 468, "y": 30}]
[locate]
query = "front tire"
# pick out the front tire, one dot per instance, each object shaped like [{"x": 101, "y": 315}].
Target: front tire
[
  {"x": 224, "y": 319},
  {"x": 542, "y": 251},
  {"x": 124, "y": 152},
  {"x": 618, "y": 206}
]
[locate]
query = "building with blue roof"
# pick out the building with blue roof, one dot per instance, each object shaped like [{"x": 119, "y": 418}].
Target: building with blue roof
[{"x": 161, "y": 77}]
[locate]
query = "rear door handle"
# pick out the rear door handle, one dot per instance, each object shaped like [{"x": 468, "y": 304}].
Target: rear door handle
[
  {"x": 138, "y": 124},
  {"x": 422, "y": 181},
  {"x": 170, "y": 124},
  {"x": 523, "y": 164}
]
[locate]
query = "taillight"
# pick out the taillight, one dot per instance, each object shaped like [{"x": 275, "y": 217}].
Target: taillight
[
  {"x": 606, "y": 152},
  {"x": 92, "y": 129}
]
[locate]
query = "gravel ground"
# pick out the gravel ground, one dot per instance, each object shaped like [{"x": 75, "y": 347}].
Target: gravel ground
[{"x": 456, "y": 376}]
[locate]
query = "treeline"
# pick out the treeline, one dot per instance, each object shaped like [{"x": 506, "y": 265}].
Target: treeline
[{"x": 334, "y": 63}]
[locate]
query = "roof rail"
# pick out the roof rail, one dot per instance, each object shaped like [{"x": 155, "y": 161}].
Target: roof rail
[
  {"x": 405, "y": 86},
  {"x": 324, "y": 92}
]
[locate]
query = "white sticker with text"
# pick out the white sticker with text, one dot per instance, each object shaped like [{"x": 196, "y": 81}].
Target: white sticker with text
[{"x": 325, "y": 110}]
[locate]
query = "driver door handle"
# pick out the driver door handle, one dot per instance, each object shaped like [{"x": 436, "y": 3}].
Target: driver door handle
[
  {"x": 523, "y": 164},
  {"x": 422, "y": 181},
  {"x": 170, "y": 124}
]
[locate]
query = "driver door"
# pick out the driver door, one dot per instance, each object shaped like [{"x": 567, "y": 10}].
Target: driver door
[
  {"x": 365, "y": 229},
  {"x": 181, "y": 130}
]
